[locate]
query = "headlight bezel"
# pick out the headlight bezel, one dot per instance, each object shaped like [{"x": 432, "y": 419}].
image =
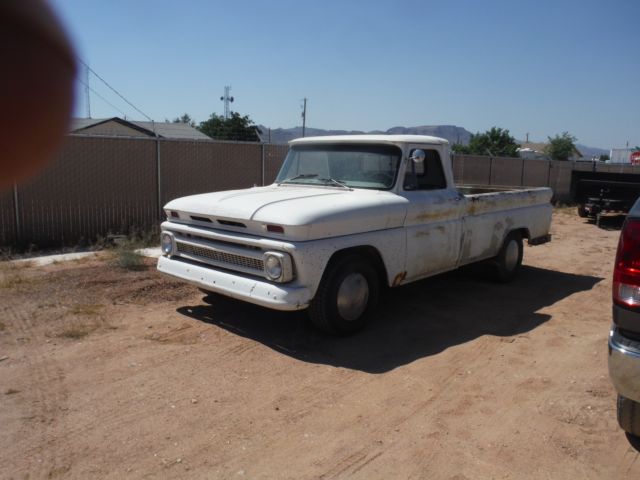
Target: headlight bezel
[
  {"x": 285, "y": 263},
  {"x": 167, "y": 243}
]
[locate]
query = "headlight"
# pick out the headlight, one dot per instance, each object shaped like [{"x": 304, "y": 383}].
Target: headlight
[
  {"x": 278, "y": 266},
  {"x": 166, "y": 243},
  {"x": 273, "y": 267}
]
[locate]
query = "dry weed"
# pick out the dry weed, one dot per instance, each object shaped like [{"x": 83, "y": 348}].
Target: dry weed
[{"x": 86, "y": 309}]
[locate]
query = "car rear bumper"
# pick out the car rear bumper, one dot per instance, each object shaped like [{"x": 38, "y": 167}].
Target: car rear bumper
[
  {"x": 237, "y": 285},
  {"x": 624, "y": 364}
]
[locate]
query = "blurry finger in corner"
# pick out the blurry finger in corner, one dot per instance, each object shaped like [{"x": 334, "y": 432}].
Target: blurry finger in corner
[{"x": 36, "y": 88}]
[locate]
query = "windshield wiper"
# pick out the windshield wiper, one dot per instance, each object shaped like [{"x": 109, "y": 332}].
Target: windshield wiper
[
  {"x": 302, "y": 175},
  {"x": 335, "y": 182}
]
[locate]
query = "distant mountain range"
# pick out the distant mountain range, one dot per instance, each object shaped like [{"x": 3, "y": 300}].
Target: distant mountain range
[
  {"x": 588, "y": 152},
  {"x": 450, "y": 132}
]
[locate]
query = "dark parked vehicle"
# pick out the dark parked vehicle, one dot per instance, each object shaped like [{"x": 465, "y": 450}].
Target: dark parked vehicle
[
  {"x": 601, "y": 192},
  {"x": 624, "y": 338}
]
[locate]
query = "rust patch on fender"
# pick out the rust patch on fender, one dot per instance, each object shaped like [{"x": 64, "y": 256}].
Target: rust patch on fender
[
  {"x": 398, "y": 279},
  {"x": 434, "y": 216}
]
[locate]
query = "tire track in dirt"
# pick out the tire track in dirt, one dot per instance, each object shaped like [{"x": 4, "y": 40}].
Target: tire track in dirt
[
  {"x": 351, "y": 465},
  {"x": 45, "y": 405},
  {"x": 629, "y": 460},
  {"x": 112, "y": 419},
  {"x": 357, "y": 460}
]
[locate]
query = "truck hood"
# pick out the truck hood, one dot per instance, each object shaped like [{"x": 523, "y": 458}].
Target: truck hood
[{"x": 305, "y": 212}]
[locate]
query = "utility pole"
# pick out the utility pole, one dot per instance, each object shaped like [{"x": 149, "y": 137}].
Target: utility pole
[{"x": 304, "y": 115}]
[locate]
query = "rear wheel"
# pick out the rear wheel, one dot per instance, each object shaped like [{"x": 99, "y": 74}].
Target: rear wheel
[
  {"x": 509, "y": 259},
  {"x": 346, "y": 296},
  {"x": 582, "y": 213},
  {"x": 629, "y": 416}
]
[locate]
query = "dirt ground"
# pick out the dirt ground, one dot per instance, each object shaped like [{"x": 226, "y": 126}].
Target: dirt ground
[{"x": 113, "y": 373}]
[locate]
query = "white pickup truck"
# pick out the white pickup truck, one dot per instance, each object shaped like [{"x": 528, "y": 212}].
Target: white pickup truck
[{"x": 347, "y": 217}]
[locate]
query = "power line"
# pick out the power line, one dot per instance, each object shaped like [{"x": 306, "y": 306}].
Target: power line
[
  {"x": 115, "y": 91},
  {"x": 102, "y": 98},
  {"x": 87, "y": 99}
]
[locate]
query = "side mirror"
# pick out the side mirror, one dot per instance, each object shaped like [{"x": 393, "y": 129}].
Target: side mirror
[{"x": 418, "y": 156}]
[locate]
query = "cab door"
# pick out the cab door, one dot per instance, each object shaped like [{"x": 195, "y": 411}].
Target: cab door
[{"x": 433, "y": 225}]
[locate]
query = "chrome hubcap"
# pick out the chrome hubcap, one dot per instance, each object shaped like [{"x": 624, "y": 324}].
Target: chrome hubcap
[
  {"x": 353, "y": 296},
  {"x": 511, "y": 255}
]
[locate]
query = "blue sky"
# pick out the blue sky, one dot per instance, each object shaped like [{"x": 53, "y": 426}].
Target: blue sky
[{"x": 541, "y": 67}]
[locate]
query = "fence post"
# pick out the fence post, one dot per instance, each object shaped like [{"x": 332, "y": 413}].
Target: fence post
[
  {"x": 159, "y": 185},
  {"x": 490, "y": 169},
  {"x": 549, "y": 174},
  {"x": 262, "y": 161},
  {"x": 16, "y": 214},
  {"x": 522, "y": 173}
]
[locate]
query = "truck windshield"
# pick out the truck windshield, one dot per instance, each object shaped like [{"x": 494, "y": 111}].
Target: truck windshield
[{"x": 341, "y": 166}]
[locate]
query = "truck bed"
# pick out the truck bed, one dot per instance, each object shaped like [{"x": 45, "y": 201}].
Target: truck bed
[
  {"x": 483, "y": 199},
  {"x": 489, "y": 212}
]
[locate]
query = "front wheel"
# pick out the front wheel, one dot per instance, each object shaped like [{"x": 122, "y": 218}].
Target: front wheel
[
  {"x": 509, "y": 259},
  {"x": 346, "y": 296}
]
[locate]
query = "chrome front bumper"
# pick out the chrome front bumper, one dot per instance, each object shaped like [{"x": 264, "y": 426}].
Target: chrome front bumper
[
  {"x": 236, "y": 285},
  {"x": 624, "y": 365}
]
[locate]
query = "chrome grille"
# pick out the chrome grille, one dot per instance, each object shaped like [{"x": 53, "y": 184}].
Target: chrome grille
[{"x": 220, "y": 257}]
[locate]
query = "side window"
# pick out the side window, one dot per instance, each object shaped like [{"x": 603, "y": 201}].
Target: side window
[{"x": 428, "y": 176}]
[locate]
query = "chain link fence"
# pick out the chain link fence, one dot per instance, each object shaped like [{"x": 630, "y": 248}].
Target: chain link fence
[
  {"x": 99, "y": 185},
  {"x": 102, "y": 185},
  {"x": 516, "y": 172}
]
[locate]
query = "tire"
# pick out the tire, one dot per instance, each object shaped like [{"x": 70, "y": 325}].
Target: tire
[
  {"x": 346, "y": 297},
  {"x": 509, "y": 260},
  {"x": 582, "y": 213},
  {"x": 629, "y": 416}
]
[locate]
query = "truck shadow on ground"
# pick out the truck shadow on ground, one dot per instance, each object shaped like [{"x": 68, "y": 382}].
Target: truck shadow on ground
[{"x": 412, "y": 322}]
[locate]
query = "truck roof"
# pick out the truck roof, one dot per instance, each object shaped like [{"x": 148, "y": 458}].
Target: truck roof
[{"x": 371, "y": 139}]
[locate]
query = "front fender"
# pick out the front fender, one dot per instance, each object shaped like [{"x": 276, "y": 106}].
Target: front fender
[{"x": 311, "y": 258}]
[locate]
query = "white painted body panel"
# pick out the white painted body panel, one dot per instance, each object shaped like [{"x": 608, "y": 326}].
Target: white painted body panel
[
  {"x": 416, "y": 233},
  {"x": 306, "y": 212}
]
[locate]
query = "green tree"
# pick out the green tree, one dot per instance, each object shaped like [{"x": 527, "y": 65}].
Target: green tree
[
  {"x": 186, "y": 118},
  {"x": 561, "y": 147},
  {"x": 495, "y": 142},
  {"x": 603, "y": 158},
  {"x": 236, "y": 127}
]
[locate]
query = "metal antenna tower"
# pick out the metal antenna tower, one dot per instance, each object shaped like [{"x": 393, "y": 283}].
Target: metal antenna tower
[
  {"x": 227, "y": 99},
  {"x": 87, "y": 98}
]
